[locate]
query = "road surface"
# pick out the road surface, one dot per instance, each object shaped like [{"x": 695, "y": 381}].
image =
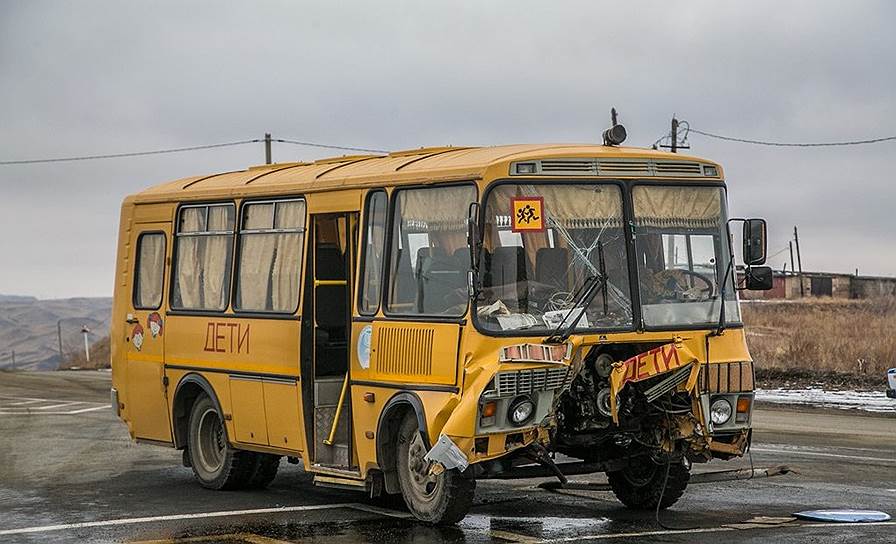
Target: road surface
[{"x": 69, "y": 473}]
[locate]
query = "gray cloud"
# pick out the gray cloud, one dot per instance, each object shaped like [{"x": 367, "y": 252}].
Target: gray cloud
[{"x": 95, "y": 77}]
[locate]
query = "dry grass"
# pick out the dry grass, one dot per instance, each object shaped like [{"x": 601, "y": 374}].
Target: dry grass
[
  {"x": 855, "y": 337},
  {"x": 99, "y": 356}
]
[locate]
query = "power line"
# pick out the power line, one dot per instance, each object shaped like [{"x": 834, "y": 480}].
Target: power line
[
  {"x": 791, "y": 144},
  {"x": 325, "y": 146},
  {"x": 184, "y": 149},
  {"x": 130, "y": 154}
]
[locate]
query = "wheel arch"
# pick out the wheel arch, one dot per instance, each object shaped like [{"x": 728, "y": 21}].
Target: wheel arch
[
  {"x": 188, "y": 389},
  {"x": 387, "y": 428}
]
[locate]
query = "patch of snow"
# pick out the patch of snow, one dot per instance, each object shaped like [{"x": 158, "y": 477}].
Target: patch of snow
[{"x": 869, "y": 401}]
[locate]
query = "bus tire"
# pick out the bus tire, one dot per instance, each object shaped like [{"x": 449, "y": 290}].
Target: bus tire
[
  {"x": 264, "y": 470},
  {"x": 215, "y": 463},
  {"x": 640, "y": 486},
  {"x": 442, "y": 499}
]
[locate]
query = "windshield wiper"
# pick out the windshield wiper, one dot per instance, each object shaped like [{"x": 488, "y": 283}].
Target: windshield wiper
[
  {"x": 602, "y": 268},
  {"x": 721, "y": 328},
  {"x": 584, "y": 295}
]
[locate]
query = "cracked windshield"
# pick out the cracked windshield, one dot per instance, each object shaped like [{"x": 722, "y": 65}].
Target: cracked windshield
[
  {"x": 541, "y": 243},
  {"x": 682, "y": 254}
]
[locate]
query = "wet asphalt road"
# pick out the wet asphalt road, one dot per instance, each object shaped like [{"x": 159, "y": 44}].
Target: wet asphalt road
[{"x": 68, "y": 473}]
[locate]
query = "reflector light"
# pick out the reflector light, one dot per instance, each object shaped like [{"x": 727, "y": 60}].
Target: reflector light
[
  {"x": 535, "y": 353},
  {"x": 489, "y": 409},
  {"x": 743, "y": 404}
]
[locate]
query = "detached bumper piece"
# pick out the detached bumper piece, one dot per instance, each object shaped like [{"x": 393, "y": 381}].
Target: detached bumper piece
[{"x": 446, "y": 453}]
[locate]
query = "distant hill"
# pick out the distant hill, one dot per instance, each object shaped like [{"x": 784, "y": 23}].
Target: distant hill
[{"x": 28, "y": 326}]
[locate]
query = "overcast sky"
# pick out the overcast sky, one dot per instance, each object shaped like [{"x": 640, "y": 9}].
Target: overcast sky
[{"x": 88, "y": 77}]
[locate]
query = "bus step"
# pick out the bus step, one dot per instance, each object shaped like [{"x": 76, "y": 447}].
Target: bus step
[{"x": 339, "y": 483}]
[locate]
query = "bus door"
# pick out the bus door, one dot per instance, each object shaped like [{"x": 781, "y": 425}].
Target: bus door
[
  {"x": 147, "y": 403},
  {"x": 328, "y": 281}
]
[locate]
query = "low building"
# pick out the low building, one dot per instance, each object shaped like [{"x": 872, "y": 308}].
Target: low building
[{"x": 786, "y": 285}]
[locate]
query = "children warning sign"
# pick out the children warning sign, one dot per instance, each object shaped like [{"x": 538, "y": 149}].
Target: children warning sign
[{"x": 528, "y": 214}]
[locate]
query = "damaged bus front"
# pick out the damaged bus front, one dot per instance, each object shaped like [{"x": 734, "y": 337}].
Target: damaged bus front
[{"x": 608, "y": 330}]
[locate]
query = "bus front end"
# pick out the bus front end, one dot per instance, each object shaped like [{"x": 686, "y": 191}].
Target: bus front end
[{"x": 608, "y": 330}]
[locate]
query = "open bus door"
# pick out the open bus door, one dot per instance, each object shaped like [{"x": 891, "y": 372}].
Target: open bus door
[{"x": 326, "y": 329}]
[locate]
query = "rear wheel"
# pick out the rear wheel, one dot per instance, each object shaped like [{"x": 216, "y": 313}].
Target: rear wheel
[
  {"x": 264, "y": 471},
  {"x": 444, "y": 498},
  {"x": 215, "y": 463},
  {"x": 640, "y": 486}
]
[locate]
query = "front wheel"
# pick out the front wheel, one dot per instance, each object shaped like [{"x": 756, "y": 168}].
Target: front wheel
[
  {"x": 441, "y": 499},
  {"x": 640, "y": 486},
  {"x": 215, "y": 463}
]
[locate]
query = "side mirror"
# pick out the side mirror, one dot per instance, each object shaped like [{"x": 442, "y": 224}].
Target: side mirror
[
  {"x": 759, "y": 278},
  {"x": 754, "y": 242}
]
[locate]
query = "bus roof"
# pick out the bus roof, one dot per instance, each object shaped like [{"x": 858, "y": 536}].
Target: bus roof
[{"x": 428, "y": 164}]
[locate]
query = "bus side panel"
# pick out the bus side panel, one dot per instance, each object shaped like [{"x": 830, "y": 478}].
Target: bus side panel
[
  {"x": 416, "y": 353},
  {"x": 255, "y": 367},
  {"x": 121, "y": 293}
]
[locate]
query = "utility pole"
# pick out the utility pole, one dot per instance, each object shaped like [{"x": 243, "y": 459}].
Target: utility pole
[
  {"x": 267, "y": 148},
  {"x": 799, "y": 260},
  {"x": 13, "y": 359},
  {"x": 792, "y": 262},
  {"x": 673, "y": 146},
  {"x": 59, "y": 337},
  {"x": 674, "y": 135},
  {"x": 85, "y": 331}
]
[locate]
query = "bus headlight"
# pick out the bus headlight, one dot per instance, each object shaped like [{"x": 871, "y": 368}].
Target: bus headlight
[
  {"x": 720, "y": 411},
  {"x": 521, "y": 410}
]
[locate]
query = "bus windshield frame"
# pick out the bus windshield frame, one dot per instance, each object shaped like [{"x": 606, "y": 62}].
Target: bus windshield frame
[{"x": 620, "y": 306}]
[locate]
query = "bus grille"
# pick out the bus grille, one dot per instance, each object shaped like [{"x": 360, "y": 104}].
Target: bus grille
[
  {"x": 616, "y": 167},
  {"x": 404, "y": 351},
  {"x": 510, "y": 384},
  {"x": 727, "y": 377}
]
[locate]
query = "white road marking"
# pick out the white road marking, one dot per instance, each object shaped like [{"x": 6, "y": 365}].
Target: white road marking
[
  {"x": 82, "y": 410},
  {"x": 609, "y": 536},
  {"x": 22, "y": 403},
  {"x": 23, "y": 406},
  {"x": 891, "y": 460},
  {"x": 175, "y": 517},
  {"x": 54, "y": 406}
]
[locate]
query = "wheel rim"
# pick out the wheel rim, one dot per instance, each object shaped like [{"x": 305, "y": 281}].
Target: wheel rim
[
  {"x": 641, "y": 474},
  {"x": 212, "y": 442},
  {"x": 424, "y": 486}
]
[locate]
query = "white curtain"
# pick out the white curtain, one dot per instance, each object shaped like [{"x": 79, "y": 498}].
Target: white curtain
[
  {"x": 256, "y": 255},
  {"x": 285, "y": 273},
  {"x": 188, "y": 260},
  {"x": 569, "y": 206},
  {"x": 203, "y": 260},
  {"x": 437, "y": 209},
  {"x": 689, "y": 207},
  {"x": 216, "y": 258},
  {"x": 151, "y": 269}
]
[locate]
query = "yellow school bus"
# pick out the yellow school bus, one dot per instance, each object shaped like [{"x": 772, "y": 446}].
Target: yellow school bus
[{"x": 412, "y": 322}]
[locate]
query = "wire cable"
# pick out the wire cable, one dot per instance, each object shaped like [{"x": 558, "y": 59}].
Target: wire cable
[
  {"x": 184, "y": 149},
  {"x": 789, "y": 144},
  {"x": 326, "y": 146},
  {"x": 130, "y": 154}
]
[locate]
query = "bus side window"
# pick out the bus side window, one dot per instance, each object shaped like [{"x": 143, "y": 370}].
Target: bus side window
[
  {"x": 203, "y": 246},
  {"x": 149, "y": 271},
  {"x": 374, "y": 242},
  {"x": 270, "y": 256}
]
